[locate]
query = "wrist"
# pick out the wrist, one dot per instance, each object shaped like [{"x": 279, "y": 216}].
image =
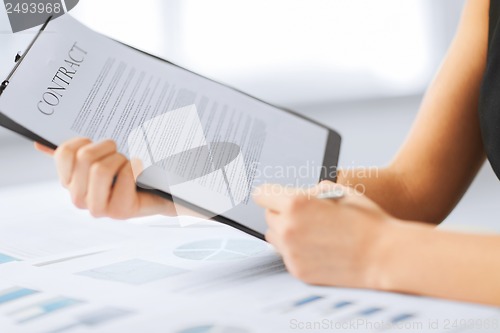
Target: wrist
[
  {"x": 384, "y": 248},
  {"x": 394, "y": 253}
]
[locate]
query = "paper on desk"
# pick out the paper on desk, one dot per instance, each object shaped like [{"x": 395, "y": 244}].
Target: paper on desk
[
  {"x": 267, "y": 302},
  {"x": 168, "y": 279},
  {"x": 39, "y": 223}
]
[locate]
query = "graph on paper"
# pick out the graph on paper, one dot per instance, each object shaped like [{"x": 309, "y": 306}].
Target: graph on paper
[
  {"x": 133, "y": 272},
  {"x": 221, "y": 249}
]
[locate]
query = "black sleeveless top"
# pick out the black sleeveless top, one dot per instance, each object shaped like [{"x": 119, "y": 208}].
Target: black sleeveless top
[{"x": 489, "y": 102}]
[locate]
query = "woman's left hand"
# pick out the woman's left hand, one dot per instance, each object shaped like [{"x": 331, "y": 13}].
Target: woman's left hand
[{"x": 324, "y": 241}]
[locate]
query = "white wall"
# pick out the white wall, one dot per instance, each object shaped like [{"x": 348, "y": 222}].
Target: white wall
[
  {"x": 286, "y": 51},
  {"x": 289, "y": 52}
]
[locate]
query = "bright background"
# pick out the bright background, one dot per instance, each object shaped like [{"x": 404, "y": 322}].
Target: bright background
[
  {"x": 360, "y": 66},
  {"x": 291, "y": 52}
]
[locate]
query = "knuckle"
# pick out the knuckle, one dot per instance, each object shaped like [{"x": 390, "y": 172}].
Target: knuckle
[
  {"x": 121, "y": 159},
  {"x": 96, "y": 213},
  {"x": 112, "y": 144},
  {"x": 84, "y": 141},
  {"x": 297, "y": 203},
  {"x": 295, "y": 268},
  {"x": 124, "y": 158},
  {"x": 84, "y": 154},
  {"x": 78, "y": 201},
  {"x": 62, "y": 152},
  {"x": 118, "y": 210},
  {"x": 64, "y": 183},
  {"x": 269, "y": 236},
  {"x": 290, "y": 233},
  {"x": 118, "y": 214},
  {"x": 301, "y": 272},
  {"x": 99, "y": 170},
  {"x": 96, "y": 210}
]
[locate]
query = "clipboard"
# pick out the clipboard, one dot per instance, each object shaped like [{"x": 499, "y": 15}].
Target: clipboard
[
  {"x": 5, "y": 121},
  {"x": 330, "y": 158}
]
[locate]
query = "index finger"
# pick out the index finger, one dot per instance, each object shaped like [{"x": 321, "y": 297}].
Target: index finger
[{"x": 65, "y": 158}]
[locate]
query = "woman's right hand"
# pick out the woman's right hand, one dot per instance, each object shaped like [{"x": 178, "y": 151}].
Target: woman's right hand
[{"x": 101, "y": 180}]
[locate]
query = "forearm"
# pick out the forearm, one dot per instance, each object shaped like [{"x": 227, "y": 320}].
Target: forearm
[
  {"x": 416, "y": 258},
  {"x": 444, "y": 149},
  {"x": 384, "y": 186}
]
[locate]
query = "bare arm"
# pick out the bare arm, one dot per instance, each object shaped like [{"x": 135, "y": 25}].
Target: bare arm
[
  {"x": 352, "y": 242},
  {"x": 444, "y": 150},
  {"x": 439, "y": 263}
]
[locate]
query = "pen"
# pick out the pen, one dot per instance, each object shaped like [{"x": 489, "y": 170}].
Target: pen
[{"x": 335, "y": 194}]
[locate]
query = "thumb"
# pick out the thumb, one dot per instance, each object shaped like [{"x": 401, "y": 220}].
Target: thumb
[{"x": 44, "y": 149}]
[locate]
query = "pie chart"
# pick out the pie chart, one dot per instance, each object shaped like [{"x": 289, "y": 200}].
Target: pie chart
[
  {"x": 214, "y": 329},
  {"x": 221, "y": 249}
]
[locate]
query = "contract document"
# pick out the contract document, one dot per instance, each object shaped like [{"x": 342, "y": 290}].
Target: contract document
[{"x": 198, "y": 142}]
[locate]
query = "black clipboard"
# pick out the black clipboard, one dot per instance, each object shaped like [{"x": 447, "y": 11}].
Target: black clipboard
[
  {"x": 5, "y": 121},
  {"x": 330, "y": 159}
]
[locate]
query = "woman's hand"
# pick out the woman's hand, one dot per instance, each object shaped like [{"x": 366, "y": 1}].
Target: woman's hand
[
  {"x": 101, "y": 180},
  {"x": 322, "y": 241}
]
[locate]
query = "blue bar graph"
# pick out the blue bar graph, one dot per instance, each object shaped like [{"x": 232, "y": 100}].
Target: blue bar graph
[
  {"x": 337, "y": 306},
  {"x": 402, "y": 317},
  {"x": 14, "y": 294},
  {"x": 5, "y": 259},
  {"x": 363, "y": 313},
  {"x": 42, "y": 309},
  {"x": 294, "y": 305},
  {"x": 341, "y": 305},
  {"x": 307, "y": 300},
  {"x": 94, "y": 319},
  {"x": 369, "y": 311},
  {"x": 214, "y": 329}
]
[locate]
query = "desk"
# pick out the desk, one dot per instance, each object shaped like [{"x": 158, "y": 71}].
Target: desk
[{"x": 68, "y": 272}]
